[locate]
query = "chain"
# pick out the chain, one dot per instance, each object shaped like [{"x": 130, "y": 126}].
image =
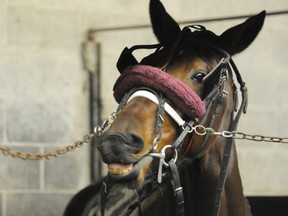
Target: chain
[
  {"x": 198, "y": 129},
  {"x": 7, "y": 151},
  {"x": 201, "y": 130}
]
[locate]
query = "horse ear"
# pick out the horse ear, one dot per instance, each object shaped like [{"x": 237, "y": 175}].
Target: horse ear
[
  {"x": 238, "y": 38},
  {"x": 164, "y": 26}
]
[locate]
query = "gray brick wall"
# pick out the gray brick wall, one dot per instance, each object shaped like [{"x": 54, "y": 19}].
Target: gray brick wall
[
  {"x": 43, "y": 204},
  {"x": 43, "y": 104},
  {"x": 53, "y": 121},
  {"x": 19, "y": 174}
]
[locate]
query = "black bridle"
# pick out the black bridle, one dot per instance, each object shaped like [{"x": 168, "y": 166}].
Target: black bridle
[{"x": 214, "y": 99}]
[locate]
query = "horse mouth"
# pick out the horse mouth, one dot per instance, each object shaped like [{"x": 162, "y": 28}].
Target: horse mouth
[
  {"x": 120, "y": 172},
  {"x": 119, "y": 169}
]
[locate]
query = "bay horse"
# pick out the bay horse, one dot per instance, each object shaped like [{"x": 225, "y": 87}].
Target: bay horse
[{"x": 162, "y": 153}]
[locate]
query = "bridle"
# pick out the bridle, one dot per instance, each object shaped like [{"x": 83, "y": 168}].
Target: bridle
[{"x": 213, "y": 101}]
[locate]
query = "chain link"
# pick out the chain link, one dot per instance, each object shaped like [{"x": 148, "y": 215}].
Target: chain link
[
  {"x": 261, "y": 138},
  {"x": 7, "y": 151}
]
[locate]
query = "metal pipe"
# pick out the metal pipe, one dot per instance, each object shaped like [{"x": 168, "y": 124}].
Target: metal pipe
[
  {"x": 91, "y": 61},
  {"x": 142, "y": 26}
]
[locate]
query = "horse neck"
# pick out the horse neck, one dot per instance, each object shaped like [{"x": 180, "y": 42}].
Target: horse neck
[{"x": 199, "y": 179}]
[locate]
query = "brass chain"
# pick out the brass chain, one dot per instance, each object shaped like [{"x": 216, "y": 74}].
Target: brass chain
[
  {"x": 198, "y": 129},
  {"x": 7, "y": 151}
]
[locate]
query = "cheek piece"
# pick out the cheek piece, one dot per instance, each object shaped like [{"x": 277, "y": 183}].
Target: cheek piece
[{"x": 177, "y": 92}]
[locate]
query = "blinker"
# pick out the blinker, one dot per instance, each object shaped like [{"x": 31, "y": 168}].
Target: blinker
[{"x": 127, "y": 58}]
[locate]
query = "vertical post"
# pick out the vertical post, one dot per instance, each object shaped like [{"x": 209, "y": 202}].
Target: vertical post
[{"x": 91, "y": 60}]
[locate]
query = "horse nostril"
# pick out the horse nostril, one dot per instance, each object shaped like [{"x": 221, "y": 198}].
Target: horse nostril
[
  {"x": 133, "y": 142},
  {"x": 119, "y": 147},
  {"x": 137, "y": 141},
  {"x": 119, "y": 143}
]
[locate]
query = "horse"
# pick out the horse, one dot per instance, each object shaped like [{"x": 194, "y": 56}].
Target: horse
[{"x": 170, "y": 148}]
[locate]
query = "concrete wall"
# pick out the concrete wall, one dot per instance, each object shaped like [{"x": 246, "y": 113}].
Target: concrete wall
[
  {"x": 43, "y": 96},
  {"x": 43, "y": 103}
]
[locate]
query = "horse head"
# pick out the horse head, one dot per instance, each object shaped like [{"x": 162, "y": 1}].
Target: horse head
[{"x": 169, "y": 99}]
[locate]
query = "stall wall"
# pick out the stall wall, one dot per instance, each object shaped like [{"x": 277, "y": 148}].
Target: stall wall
[{"x": 44, "y": 90}]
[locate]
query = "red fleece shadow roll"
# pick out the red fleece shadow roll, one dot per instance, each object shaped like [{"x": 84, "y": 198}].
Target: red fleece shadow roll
[{"x": 177, "y": 92}]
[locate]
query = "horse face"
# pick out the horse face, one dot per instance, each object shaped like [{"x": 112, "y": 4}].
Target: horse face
[{"x": 126, "y": 145}]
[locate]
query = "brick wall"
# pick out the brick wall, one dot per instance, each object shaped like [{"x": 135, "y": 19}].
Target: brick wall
[
  {"x": 44, "y": 91},
  {"x": 43, "y": 104}
]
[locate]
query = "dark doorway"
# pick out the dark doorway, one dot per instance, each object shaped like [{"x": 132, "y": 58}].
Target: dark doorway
[{"x": 269, "y": 206}]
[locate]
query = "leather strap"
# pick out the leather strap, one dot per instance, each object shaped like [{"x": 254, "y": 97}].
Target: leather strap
[
  {"x": 179, "y": 141},
  {"x": 104, "y": 191},
  {"x": 159, "y": 121},
  {"x": 178, "y": 190},
  {"x": 228, "y": 146}
]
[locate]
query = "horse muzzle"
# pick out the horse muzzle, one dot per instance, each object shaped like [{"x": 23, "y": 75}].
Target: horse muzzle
[{"x": 118, "y": 151}]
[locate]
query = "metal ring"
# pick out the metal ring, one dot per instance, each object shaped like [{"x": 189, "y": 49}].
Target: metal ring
[
  {"x": 174, "y": 158},
  {"x": 98, "y": 130},
  {"x": 210, "y": 131},
  {"x": 198, "y": 129}
]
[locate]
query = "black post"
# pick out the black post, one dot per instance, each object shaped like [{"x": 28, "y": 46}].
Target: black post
[{"x": 91, "y": 60}]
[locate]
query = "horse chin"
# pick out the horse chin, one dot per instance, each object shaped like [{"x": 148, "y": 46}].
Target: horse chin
[{"x": 129, "y": 172}]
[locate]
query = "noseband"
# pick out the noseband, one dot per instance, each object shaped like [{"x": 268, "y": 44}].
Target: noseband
[{"x": 157, "y": 86}]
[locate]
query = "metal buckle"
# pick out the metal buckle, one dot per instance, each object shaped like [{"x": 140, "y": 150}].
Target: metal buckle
[{"x": 161, "y": 155}]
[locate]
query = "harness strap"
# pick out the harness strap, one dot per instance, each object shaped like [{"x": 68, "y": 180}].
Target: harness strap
[
  {"x": 178, "y": 190},
  {"x": 243, "y": 89},
  {"x": 179, "y": 141},
  {"x": 159, "y": 121},
  {"x": 103, "y": 191},
  {"x": 228, "y": 146},
  {"x": 219, "y": 106}
]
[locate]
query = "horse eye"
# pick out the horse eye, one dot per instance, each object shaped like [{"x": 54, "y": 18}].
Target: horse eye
[{"x": 198, "y": 77}]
